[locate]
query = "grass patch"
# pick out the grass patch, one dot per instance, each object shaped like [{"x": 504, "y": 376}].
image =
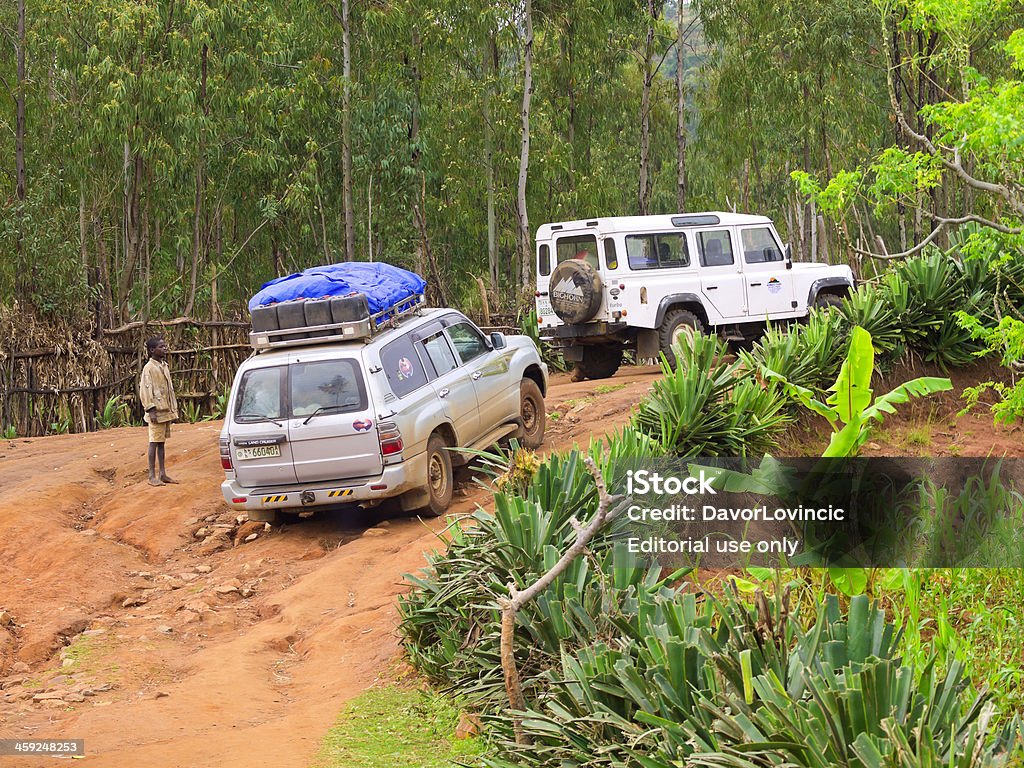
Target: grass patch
[
  {"x": 82, "y": 654},
  {"x": 604, "y": 389},
  {"x": 389, "y": 727},
  {"x": 573, "y": 402},
  {"x": 975, "y": 615},
  {"x": 920, "y": 436}
]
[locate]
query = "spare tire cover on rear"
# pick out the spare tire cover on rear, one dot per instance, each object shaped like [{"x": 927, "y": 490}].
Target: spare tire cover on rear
[{"x": 575, "y": 291}]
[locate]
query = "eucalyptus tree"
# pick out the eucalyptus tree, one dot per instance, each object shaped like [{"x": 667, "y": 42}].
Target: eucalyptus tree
[
  {"x": 954, "y": 159},
  {"x": 789, "y": 86}
]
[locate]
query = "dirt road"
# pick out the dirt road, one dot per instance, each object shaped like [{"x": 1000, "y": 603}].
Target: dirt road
[{"x": 141, "y": 620}]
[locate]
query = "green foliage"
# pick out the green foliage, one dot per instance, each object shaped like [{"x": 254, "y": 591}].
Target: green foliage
[
  {"x": 220, "y": 405},
  {"x": 385, "y": 727},
  {"x": 706, "y": 407},
  {"x": 450, "y": 620},
  {"x": 875, "y": 308},
  {"x": 965, "y": 614},
  {"x": 9, "y": 432},
  {"x": 809, "y": 355},
  {"x": 899, "y": 176},
  {"x": 850, "y": 409},
  {"x": 63, "y": 423},
  {"x": 1005, "y": 338},
  {"x": 115, "y": 413},
  {"x": 191, "y": 411}
]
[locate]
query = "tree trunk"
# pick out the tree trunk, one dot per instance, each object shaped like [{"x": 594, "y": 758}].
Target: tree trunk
[
  {"x": 197, "y": 213},
  {"x": 346, "y": 135},
  {"x": 491, "y": 68},
  {"x": 19, "y": 98},
  {"x": 681, "y": 127},
  {"x": 569, "y": 52},
  {"x": 644, "y": 187},
  {"x": 525, "y": 248},
  {"x": 132, "y": 227},
  {"x": 83, "y": 249},
  {"x": 369, "y": 219},
  {"x": 23, "y": 274}
]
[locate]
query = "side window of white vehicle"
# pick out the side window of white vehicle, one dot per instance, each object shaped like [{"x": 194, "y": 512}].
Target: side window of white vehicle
[
  {"x": 467, "y": 341},
  {"x": 715, "y": 248},
  {"x": 759, "y": 246},
  {"x": 657, "y": 251},
  {"x": 544, "y": 260},
  {"x": 440, "y": 354}
]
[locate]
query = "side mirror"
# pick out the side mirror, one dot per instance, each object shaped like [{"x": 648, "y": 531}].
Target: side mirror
[
  {"x": 789, "y": 256},
  {"x": 498, "y": 340}
]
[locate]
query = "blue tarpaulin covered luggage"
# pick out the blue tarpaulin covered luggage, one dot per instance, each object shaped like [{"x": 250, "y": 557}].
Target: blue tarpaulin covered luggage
[{"x": 383, "y": 285}]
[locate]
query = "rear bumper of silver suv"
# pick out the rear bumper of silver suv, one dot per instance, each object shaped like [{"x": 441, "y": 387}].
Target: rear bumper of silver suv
[{"x": 393, "y": 481}]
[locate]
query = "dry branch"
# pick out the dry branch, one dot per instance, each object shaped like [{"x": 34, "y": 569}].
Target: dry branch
[
  {"x": 176, "y": 321},
  {"x": 517, "y": 599}
]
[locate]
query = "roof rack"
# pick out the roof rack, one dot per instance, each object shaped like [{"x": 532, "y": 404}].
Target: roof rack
[{"x": 351, "y": 330}]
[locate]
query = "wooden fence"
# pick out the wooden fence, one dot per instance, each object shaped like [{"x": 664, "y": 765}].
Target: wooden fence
[
  {"x": 60, "y": 379},
  {"x": 64, "y": 385}
]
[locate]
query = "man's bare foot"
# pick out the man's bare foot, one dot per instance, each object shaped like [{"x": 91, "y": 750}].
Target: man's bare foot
[
  {"x": 154, "y": 481},
  {"x": 169, "y": 480}
]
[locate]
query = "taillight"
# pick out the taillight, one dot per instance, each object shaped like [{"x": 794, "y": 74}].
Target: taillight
[
  {"x": 225, "y": 453},
  {"x": 390, "y": 438}
]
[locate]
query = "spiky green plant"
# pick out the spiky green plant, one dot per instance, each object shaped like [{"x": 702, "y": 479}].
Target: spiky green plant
[
  {"x": 705, "y": 406},
  {"x": 115, "y": 413}
]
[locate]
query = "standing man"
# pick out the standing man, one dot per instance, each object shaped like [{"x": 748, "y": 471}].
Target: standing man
[{"x": 157, "y": 395}]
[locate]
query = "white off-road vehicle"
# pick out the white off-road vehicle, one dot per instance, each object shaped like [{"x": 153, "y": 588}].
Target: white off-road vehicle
[{"x": 638, "y": 282}]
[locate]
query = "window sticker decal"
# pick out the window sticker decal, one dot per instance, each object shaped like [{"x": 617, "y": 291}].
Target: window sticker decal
[{"x": 405, "y": 369}]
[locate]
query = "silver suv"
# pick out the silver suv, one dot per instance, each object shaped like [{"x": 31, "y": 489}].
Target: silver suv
[{"x": 314, "y": 419}]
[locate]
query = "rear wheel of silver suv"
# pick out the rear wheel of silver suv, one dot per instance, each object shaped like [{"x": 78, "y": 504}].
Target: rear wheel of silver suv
[{"x": 440, "y": 478}]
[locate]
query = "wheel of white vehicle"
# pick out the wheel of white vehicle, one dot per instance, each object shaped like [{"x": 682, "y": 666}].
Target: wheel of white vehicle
[
  {"x": 599, "y": 362},
  {"x": 678, "y": 326},
  {"x": 533, "y": 415},
  {"x": 575, "y": 291},
  {"x": 440, "y": 478},
  {"x": 826, "y": 300}
]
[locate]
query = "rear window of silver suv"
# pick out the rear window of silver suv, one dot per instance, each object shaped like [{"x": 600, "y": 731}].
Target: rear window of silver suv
[{"x": 334, "y": 386}]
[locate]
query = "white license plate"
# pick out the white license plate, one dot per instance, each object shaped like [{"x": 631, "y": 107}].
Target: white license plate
[
  {"x": 257, "y": 452},
  {"x": 543, "y": 306}
]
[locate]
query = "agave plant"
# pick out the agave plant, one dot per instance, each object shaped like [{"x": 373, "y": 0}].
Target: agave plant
[
  {"x": 450, "y": 620},
  {"x": 936, "y": 288},
  {"x": 872, "y": 309},
  {"x": 707, "y": 407}
]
